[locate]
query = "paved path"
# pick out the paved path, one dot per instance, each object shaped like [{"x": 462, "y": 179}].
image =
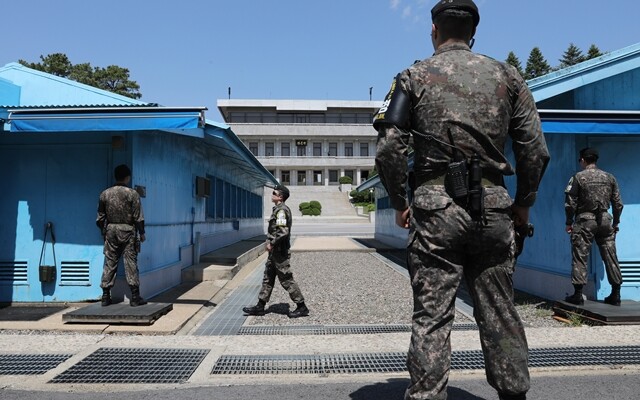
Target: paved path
[{"x": 182, "y": 330}]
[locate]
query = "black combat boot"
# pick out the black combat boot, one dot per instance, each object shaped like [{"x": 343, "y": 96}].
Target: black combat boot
[
  {"x": 136, "y": 300},
  {"x": 521, "y": 396},
  {"x": 614, "y": 297},
  {"x": 106, "y": 297},
  {"x": 576, "y": 297},
  {"x": 258, "y": 309},
  {"x": 300, "y": 311}
]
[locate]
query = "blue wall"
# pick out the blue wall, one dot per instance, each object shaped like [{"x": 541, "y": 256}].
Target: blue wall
[{"x": 58, "y": 177}]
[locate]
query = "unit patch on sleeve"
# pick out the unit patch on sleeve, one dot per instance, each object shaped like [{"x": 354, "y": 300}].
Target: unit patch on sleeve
[{"x": 281, "y": 218}]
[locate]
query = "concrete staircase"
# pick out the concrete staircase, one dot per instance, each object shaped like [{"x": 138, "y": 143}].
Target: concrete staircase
[
  {"x": 224, "y": 263},
  {"x": 335, "y": 204}
]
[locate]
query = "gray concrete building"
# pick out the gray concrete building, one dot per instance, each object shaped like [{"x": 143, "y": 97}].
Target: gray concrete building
[{"x": 307, "y": 142}]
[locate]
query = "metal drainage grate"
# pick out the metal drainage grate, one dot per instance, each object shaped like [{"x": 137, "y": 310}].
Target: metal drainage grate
[
  {"x": 395, "y": 362},
  {"x": 120, "y": 365},
  {"x": 334, "y": 329},
  {"x": 311, "y": 364},
  {"x": 30, "y": 364}
]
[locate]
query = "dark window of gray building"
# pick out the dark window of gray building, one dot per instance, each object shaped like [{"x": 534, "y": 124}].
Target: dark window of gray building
[
  {"x": 317, "y": 149},
  {"x": 253, "y": 118},
  {"x": 364, "y": 149},
  {"x": 268, "y": 149},
  {"x": 364, "y": 118},
  {"x": 285, "y": 177},
  {"x": 253, "y": 148},
  {"x": 302, "y": 151},
  {"x": 348, "y": 118},
  {"x": 333, "y": 149},
  {"x": 285, "y": 149},
  {"x": 302, "y": 177},
  {"x": 285, "y": 118},
  {"x": 348, "y": 149},
  {"x": 333, "y": 176},
  {"x": 317, "y": 178}
]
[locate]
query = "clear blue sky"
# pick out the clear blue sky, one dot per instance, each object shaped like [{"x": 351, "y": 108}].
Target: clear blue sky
[{"x": 188, "y": 52}]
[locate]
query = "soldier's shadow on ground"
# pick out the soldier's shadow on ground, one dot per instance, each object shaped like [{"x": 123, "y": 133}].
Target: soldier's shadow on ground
[
  {"x": 279, "y": 308},
  {"x": 393, "y": 389}
]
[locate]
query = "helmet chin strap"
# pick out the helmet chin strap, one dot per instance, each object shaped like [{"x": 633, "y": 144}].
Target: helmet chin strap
[{"x": 472, "y": 42}]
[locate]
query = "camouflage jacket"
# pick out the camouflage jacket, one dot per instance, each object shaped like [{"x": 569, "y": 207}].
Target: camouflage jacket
[
  {"x": 482, "y": 103},
  {"x": 120, "y": 204},
  {"x": 591, "y": 191},
  {"x": 279, "y": 231}
]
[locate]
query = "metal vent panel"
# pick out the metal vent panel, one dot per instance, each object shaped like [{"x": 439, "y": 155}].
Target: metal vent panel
[
  {"x": 630, "y": 271},
  {"x": 124, "y": 365},
  {"x": 13, "y": 272},
  {"x": 74, "y": 273},
  {"x": 30, "y": 364}
]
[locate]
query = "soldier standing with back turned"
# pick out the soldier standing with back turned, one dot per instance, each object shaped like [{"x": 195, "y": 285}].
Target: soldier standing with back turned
[
  {"x": 587, "y": 199},
  {"x": 120, "y": 218},
  {"x": 460, "y": 108}
]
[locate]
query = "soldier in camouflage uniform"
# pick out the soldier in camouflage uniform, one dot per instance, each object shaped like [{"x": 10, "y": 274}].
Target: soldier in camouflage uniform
[
  {"x": 278, "y": 263},
  {"x": 587, "y": 199},
  {"x": 120, "y": 219},
  {"x": 453, "y": 105}
]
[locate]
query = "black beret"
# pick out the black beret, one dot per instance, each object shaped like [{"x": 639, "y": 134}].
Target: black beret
[
  {"x": 466, "y": 5},
  {"x": 589, "y": 152}
]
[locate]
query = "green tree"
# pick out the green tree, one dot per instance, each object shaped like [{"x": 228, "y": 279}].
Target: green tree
[
  {"x": 537, "y": 65},
  {"x": 593, "y": 52},
  {"x": 113, "y": 78},
  {"x": 572, "y": 56},
  {"x": 513, "y": 60}
]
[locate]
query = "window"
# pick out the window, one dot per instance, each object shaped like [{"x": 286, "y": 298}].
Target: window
[
  {"x": 317, "y": 178},
  {"x": 348, "y": 149},
  {"x": 285, "y": 177},
  {"x": 302, "y": 151},
  {"x": 364, "y": 118},
  {"x": 348, "y": 118},
  {"x": 333, "y": 176},
  {"x": 253, "y": 148},
  {"x": 285, "y": 149},
  {"x": 349, "y": 173},
  {"x": 285, "y": 118},
  {"x": 317, "y": 149},
  {"x": 333, "y": 149},
  {"x": 268, "y": 149},
  {"x": 302, "y": 177},
  {"x": 364, "y": 149},
  {"x": 253, "y": 118}
]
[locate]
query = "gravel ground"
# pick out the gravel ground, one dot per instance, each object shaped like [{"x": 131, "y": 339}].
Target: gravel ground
[{"x": 353, "y": 288}]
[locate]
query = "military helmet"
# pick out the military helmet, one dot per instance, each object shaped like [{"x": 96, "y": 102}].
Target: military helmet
[{"x": 466, "y": 5}]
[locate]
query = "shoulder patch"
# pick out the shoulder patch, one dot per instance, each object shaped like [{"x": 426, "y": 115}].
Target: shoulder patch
[
  {"x": 281, "y": 218},
  {"x": 569, "y": 186}
]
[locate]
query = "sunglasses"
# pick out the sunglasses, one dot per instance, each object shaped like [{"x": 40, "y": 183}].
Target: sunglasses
[{"x": 275, "y": 193}]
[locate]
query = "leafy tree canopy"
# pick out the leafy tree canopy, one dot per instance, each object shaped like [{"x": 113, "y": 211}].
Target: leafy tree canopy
[{"x": 112, "y": 78}]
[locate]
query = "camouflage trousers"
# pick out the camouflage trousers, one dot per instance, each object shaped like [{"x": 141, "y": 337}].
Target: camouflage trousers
[
  {"x": 278, "y": 265},
  {"x": 445, "y": 245},
  {"x": 119, "y": 243},
  {"x": 583, "y": 232}
]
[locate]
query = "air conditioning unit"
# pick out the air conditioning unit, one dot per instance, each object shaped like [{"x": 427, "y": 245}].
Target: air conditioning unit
[{"x": 203, "y": 187}]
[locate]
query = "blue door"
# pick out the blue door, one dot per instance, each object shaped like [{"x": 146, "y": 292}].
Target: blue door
[
  {"x": 619, "y": 156},
  {"x": 58, "y": 184}
]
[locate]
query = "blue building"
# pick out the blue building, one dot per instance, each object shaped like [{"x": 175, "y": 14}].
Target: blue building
[
  {"x": 59, "y": 143},
  {"x": 597, "y": 104}
]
